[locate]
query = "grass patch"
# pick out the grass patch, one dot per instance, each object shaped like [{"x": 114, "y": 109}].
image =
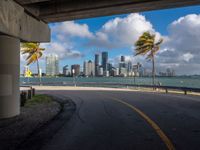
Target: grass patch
[{"x": 39, "y": 99}]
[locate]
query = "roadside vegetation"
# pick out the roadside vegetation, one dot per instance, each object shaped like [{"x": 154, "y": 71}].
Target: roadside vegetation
[{"x": 38, "y": 99}]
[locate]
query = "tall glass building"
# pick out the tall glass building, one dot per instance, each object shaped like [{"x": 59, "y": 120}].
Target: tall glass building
[
  {"x": 96, "y": 64},
  {"x": 75, "y": 70},
  {"x": 105, "y": 62},
  {"x": 52, "y": 65}
]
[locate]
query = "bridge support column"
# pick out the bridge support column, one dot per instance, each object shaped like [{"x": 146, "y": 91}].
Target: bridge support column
[{"x": 9, "y": 76}]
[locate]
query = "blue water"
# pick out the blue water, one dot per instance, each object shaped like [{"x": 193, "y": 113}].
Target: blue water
[{"x": 192, "y": 82}]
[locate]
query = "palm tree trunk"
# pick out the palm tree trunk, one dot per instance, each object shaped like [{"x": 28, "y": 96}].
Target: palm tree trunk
[
  {"x": 38, "y": 68},
  {"x": 153, "y": 70}
]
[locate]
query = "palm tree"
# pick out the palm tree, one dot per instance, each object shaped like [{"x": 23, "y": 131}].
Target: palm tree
[
  {"x": 34, "y": 53},
  {"x": 146, "y": 45}
]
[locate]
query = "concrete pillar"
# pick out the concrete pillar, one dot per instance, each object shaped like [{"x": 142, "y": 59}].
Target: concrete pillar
[{"x": 9, "y": 76}]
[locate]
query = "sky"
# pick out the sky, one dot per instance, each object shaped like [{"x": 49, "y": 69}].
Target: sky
[{"x": 79, "y": 40}]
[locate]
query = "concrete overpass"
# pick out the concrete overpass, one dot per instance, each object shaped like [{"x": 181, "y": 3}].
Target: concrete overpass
[{"x": 27, "y": 20}]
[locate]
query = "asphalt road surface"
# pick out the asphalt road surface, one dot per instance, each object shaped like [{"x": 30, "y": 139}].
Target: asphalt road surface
[{"x": 127, "y": 120}]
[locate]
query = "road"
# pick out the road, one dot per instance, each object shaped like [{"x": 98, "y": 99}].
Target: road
[{"x": 127, "y": 120}]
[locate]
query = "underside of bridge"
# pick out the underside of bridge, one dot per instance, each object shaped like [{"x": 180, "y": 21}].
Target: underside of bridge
[
  {"x": 62, "y": 10},
  {"x": 27, "y": 20}
]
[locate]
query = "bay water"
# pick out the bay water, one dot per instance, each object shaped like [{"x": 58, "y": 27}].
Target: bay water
[{"x": 182, "y": 81}]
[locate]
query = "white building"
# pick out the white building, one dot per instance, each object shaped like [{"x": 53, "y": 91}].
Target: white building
[
  {"x": 40, "y": 72},
  {"x": 89, "y": 68},
  {"x": 123, "y": 72},
  {"x": 101, "y": 71},
  {"x": 52, "y": 65},
  {"x": 117, "y": 71},
  {"x": 66, "y": 70},
  {"x": 107, "y": 74}
]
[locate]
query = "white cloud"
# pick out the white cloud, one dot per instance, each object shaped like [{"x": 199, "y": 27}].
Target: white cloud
[
  {"x": 121, "y": 32},
  {"x": 181, "y": 50},
  {"x": 187, "y": 57},
  {"x": 63, "y": 50},
  {"x": 71, "y": 29},
  {"x": 184, "y": 33}
]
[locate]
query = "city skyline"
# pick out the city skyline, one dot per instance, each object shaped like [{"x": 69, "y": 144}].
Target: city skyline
[
  {"x": 76, "y": 41},
  {"x": 98, "y": 67}
]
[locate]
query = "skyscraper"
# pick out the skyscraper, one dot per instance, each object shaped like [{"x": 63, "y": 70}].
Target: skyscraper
[
  {"x": 122, "y": 63},
  {"x": 85, "y": 68},
  {"x": 104, "y": 62},
  {"x": 91, "y": 69},
  {"x": 52, "y": 65},
  {"x": 66, "y": 71},
  {"x": 96, "y": 64},
  {"x": 129, "y": 68},
  {"x": 122, "y": 58},
  {"x": 122, "y": 66},
  {"x": 75, "y": 70},
  {"x": 88, "y": 68}
]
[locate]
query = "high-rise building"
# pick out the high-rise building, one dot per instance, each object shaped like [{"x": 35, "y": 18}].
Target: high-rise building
[
  {"x": 170, "y": 72},
  {"x": 66, "y": 71},
  {"x": 114, "y": 72},
  {"x": 40, "y": 72},
  {"x": 96, "y": 64},
  {"x": 91, "y": 70},
  {"x": 117, "y": 71},
  {"x": 104, "y": 62},
  {"x": 123, "y": 72},
  {"x": 173, "y": 73},
  {"x": 122, "y": 65},
  {"x": 52, "y": 65},
  {"x": 75, "y": 70},
  {"x": 85, "y": 68},
  {"x": 100, "y": 71},
  {"x": 109, "y": 67},
  {"x": 88, "y": 68},
  {"x": 122, "y": 58},
  {"x": 129, "y": 68}
]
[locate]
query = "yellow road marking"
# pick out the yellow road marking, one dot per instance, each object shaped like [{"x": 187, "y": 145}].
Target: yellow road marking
[{"x": 158, "y": 130}]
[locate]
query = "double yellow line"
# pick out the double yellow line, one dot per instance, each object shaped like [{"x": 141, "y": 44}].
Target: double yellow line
[{"x": 158, "y": 130}]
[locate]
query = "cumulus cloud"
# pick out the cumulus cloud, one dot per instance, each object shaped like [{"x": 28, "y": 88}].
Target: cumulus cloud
[
  {"x": 181, "y": 50},
  {"x": 63, "y": 50},
  {"x": 121, "y": 32},
  {"x": 184, "y": 33},
  {"x": 71, "y": 29},
  {"x": 63, "y": 35}
]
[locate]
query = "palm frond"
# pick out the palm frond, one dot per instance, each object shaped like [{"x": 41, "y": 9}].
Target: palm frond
[
  {"x": 29, "y": 56},
  {"x": 159, "y": 42},
  {"x": 30, "y": 45},
  {"x": 32, "y": 59},
  {"x": 33, "y": 50},
  {"x": 145, "y": 45}
]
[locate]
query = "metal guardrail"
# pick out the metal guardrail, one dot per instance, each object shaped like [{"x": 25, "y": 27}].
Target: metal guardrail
[{"x": 113, "y": 84}]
